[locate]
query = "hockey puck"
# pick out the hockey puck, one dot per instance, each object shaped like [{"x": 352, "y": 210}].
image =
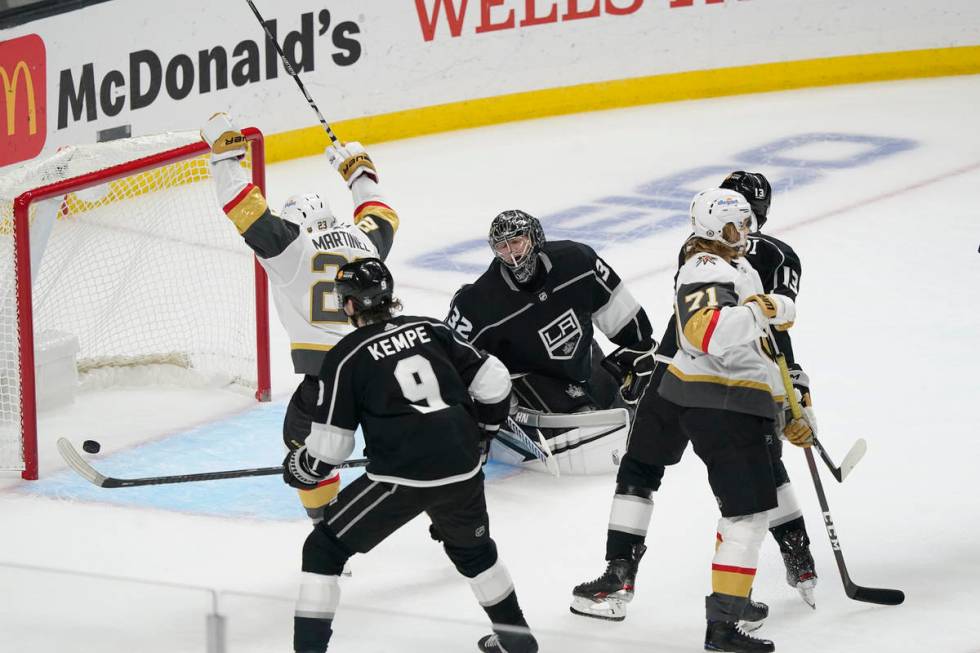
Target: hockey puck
[{"x": 91, "y": 446}]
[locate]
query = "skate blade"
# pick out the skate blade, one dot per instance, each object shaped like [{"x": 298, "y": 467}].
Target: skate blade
[
  {"x": 806, "y": 592},
  {"x": 608, "y": 609},
  {"x": 750, "y": 626}
]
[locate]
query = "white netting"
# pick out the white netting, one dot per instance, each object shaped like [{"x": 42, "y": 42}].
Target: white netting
[{"x": 145, "y": 271}]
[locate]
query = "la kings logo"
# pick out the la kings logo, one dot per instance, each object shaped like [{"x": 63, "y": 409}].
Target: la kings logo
[{"x": 562, "y": 335}]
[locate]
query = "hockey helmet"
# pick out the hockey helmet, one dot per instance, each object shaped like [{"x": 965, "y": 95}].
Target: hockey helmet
[
  {"x": 367, "y": 282},
  {"x": 311, "y": 212},
  {"x": 516, "y": 238},
  {"x": 755, "y": 188},
  {"x": 714, "y": 209}
]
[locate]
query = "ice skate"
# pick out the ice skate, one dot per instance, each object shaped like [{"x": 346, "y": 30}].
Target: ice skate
[
  {"x": 753, "y": 616},
  {"x": 800, "y": 572},
  {"x": 508, "y": 643},
  {"x": 727, "y": 636},
  {"x": 606, "y": 596}
]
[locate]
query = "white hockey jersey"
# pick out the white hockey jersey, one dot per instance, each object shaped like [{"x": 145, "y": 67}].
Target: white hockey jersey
[
  {"x": 720, "y": 362},
  {"x": 301, "y": 266}
]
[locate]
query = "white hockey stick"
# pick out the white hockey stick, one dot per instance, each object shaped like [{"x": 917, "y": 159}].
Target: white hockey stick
[{"x": 537, "y": 419}]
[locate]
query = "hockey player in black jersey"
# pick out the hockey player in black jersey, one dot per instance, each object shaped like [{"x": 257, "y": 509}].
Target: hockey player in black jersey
[
  {"x": 300, "y": 250},
  {"x": 426, "y": 401},
  {"x": 656, "y": 441},
  {"x": 534, "y": 308}
]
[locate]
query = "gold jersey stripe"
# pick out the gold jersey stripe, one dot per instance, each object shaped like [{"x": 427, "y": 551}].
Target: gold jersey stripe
[
  {"x": 378, "y": 211},
  {"x": 710, "y": 378},
  {"x": 697, "y": 326},
  {"x": 247, "y": 210},
  {"x": 310, "y": 345}
]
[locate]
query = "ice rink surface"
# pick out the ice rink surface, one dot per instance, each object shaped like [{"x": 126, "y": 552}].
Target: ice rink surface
[{"x": 876, "y": 187}]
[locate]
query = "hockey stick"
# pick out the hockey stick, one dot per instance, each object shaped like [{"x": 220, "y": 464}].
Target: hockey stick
[
  {"x": 293, "y": 74},
  {"x": 853, "y": 591},
  {"x": 517, "y": 438},
  {"x": 89, "y": 473},
  {"x": 858, "y": 449},
  {"x": 537, "y": 419}
]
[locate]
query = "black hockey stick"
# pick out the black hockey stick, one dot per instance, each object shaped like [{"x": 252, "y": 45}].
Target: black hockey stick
[
  {"x": 89, "y": 473},
  {"x": 293, "y": 74},
  {"x": 853, "y": 591},
  {"x": 878, "y": 595}
]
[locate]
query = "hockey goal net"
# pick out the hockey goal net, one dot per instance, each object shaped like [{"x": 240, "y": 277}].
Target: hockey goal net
[{"x": 118, "y": 258}]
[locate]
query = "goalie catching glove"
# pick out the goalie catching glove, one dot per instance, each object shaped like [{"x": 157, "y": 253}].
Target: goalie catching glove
[
  {"x": 633, "y": 369},
  {"x": 778, "y": 310},
  {"x": 351, "y": 161},
  {"x": 224, "y": 138},
  {"x": 302, "y": 471}
]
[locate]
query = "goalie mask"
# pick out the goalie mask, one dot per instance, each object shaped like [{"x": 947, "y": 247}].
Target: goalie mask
[
  {"x": 310, "y": 212},
  {"x": 723, "y": 216},
  {"x": 516, "y": 238},
  {"x": 755, "y": 188}
]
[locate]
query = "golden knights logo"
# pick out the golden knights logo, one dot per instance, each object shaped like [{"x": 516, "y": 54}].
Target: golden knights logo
[{"x": 562, "y": 335}]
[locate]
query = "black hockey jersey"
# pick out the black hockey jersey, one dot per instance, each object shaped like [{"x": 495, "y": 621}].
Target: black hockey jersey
[
  {"x": 418, "y": 392},
  {"x": 779, "y": 270},
  {"x": 546, "y": 327}
]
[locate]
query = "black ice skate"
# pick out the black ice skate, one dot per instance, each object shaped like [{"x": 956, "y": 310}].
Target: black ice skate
[
  {"x": 800, "y": 573},
  {"x": 508, "y": 643},
  {"x": 606, "y": 596},
  {"x": 752, "y": 617},
  {"x": 727, "y": 636}
]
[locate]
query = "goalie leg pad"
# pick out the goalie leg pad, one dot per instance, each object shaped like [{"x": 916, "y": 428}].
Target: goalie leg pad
[{"x": 589, "y": 450}]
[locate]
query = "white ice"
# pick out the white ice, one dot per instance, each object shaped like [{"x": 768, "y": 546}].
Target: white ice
[{"x": 888, "y": 330}]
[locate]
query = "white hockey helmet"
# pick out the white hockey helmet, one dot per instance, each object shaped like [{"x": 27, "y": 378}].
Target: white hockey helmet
[
  {"x": 713, "y": 209},
  {"x": 311, "y": 212}
]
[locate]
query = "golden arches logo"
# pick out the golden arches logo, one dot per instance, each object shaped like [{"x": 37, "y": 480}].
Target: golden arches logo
[
  {"x": 10, "y": 93},
  {"x": 23, "y": 69}
]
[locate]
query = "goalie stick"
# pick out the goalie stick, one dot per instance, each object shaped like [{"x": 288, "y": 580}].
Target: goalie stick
[
  {"x": 89, "y": 473},
  {"x": 293, "y": 74},
  {"x": 517, "y": 438},
  {"x": 879, "y": 595}
]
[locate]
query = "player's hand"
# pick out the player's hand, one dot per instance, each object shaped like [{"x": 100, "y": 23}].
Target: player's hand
[
  {"x": 798, "y": 432},
  {"x": 302, "y": 471},
  {"x": 633, "y": 369},
  {"x": 778, "y": 310},
  {"x": 224, "y": 138},
  {"x": 351, "y": 161}
]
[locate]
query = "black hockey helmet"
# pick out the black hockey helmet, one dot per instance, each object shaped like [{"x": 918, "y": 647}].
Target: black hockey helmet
[
  {"x": 367, "y": 282},
  {"x": 514, "y": 224},
  {"x": 755, "y": 188}
]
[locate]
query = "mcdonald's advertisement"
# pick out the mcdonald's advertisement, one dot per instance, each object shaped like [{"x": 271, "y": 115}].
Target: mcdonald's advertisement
[
  {"x": 23, "y": 122},
  {"x": 111, "y": 69}
]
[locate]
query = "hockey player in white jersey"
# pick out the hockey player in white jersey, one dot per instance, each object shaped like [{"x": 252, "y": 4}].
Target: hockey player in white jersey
[{"x": 301, "y": 250}]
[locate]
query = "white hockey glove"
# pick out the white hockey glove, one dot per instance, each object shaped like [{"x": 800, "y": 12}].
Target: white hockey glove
[
  {"x": 351, "y": 161},
  {"x": 801, "y": 432},
  {"x": 224, "y": 138},
  {"x": 778, "y": 310},
  {"x": 302, "y": 471},
  {"x": 633, "y": 369}
]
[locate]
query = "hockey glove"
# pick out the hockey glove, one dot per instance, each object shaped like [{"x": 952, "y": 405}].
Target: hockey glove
[
  {"x": 302, "y": 471},
  {"x": 351, "y": 161},
  {"x": 778, "y": 310},
  {"x": 487, "y": 433},
  {"x": 224, "y": 138},
  {"x": 633, "y": 369}
]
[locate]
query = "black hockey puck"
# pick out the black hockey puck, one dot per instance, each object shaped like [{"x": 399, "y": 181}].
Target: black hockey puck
[{"x": 91, "y": 446}]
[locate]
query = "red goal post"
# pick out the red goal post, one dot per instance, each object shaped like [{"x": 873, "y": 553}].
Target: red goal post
[{"x": 145, "y": 171}]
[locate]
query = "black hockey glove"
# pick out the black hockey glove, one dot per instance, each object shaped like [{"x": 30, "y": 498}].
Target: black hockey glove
[
  {"x": 302, "y": 471},
  {"x": 632, "y": 368}
]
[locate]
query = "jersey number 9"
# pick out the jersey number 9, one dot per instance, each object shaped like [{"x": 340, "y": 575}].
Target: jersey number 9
[{"x": 419, "y": 384}]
